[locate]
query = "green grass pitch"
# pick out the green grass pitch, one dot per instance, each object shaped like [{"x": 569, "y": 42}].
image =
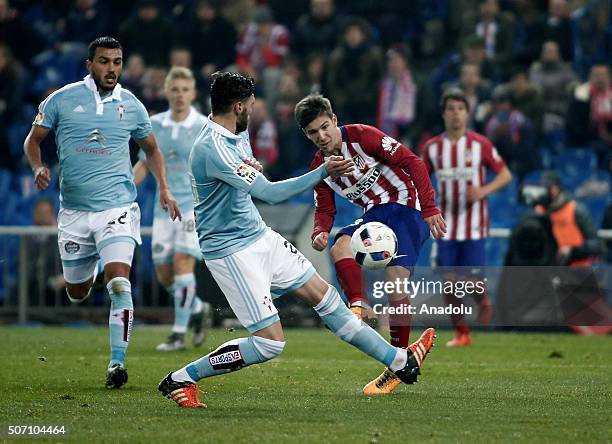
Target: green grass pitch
[{"x": 508, "y": 386}]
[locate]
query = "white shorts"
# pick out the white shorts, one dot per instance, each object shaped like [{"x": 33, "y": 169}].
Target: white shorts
[
  {"x": 253, "y": 277},
  {"x": 83, "y": 234},
  {"x": 172, "y": 236}
]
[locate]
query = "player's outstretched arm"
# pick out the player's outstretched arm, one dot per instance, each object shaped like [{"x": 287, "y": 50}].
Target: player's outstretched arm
[
  {"x": 155, "y": 161},
  {"x": 276, "y": 192},
  {"x": 140, "y": 171},
  {"x": 31, "y": 148}
]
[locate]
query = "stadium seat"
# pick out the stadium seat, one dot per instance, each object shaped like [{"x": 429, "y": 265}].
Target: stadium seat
[
  {"x": 503, "y": 213},
  {"x": 576, "y": 161},
  {"x": 596, "y": 207},
  {"x": 6, "y": 179},
  {"x": 496, "y": 249}
]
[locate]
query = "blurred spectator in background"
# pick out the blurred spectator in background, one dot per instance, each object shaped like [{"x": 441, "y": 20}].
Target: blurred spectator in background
[
  {"x": 526, "y": 97},
  {"x": 293, "y": 152},
  {"x": 11, "y": 95},
  {"x": 589, "y": 117},
  {"x": 45, "y": 276},
  {"x": 317, "y": 30},
  {"x": 472, "y": 51},
  {"x": 153, "y": 93},
  {"x": 554, "y": 78},
  {"x": 513, "y": 135},
  {"x": 211, "y": 38},
  {"x": 180, "y": 56},
  {"x": 86, "y": 21},
  {"x": 15, "y": 33},
  {"x": 354, "y": 68},
  {"x": 530, "y": 22},
  {"x": 132, "y": 77},
  {"x": 262, "y": 48},
  {"x": 405, "y": 100},
  {"x": 263, "y": 135},
  {"x": 559, "y": 28},
  {"x": 314, "y": 74},
  {"x": 496, "y": 28},
  {"x": 477, "y": 92},
  {"x": 148, "y": 33}
]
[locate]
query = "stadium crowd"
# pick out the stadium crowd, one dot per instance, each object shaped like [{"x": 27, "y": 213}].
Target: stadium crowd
[{"x": 536, "y": 73}]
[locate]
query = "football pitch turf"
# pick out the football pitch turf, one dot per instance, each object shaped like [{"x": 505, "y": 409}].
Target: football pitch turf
[{"x": 508, "y": 386}]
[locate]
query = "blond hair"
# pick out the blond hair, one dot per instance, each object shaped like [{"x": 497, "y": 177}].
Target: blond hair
[{"x": 178, "y": 72}]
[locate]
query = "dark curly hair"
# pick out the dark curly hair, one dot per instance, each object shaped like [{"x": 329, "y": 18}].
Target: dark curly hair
[
  {"x": 102, "y": 42},
  {"x": 227, "y": 88},
  {"x": 311, "y": 107}
]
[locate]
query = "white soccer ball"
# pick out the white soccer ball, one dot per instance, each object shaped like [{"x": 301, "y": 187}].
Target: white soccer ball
[{"x": 374, "y": 245}]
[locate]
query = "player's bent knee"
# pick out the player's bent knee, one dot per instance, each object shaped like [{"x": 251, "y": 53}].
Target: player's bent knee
[
  {"x": 268, "y": 348},
  {"x": 78, "y": 292},
  {"x": 341, "y": 249}
]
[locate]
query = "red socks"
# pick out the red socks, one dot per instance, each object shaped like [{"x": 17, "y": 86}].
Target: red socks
[
  {"x": 399, "y": 324},
  {"x": 350, "y": 278}
]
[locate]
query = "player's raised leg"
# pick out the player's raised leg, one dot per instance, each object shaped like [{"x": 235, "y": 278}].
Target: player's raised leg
[{"x": 326, "y": 301}]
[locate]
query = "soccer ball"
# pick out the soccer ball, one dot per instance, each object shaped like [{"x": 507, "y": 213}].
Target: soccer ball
[{"x": 374, "y": 245}]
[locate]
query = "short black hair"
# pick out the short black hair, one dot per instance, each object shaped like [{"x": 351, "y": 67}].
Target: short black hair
[
  {"x": 102, "y": 42},
  {"x": 227, "y": 88},
  {"x": 311, "y": 107},
  {"x": 454, "y": 94}
]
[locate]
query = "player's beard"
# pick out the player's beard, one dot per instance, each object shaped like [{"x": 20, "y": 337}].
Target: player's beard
[
  {"x": 99, "y": 79},
  {"x": 242, "y": 121}
]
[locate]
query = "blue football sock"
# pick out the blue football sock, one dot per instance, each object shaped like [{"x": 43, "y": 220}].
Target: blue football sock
[
  {"x": 347, "y": 327},
  {"x": 120, "y": 319},
  {"x": 184, "y": 292},
  {"x": 230, "y": 356}
]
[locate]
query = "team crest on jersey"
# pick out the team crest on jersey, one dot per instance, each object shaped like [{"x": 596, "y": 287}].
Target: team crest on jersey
[
  {"x": 359, "y": 162},
  {"x": 39, "y": 118},
  {"x": 121, "y": 111},
  {"x": 246, "y": 173},
  {"x": 71, "y": 247},
  {"x": 390, "y": 144}
]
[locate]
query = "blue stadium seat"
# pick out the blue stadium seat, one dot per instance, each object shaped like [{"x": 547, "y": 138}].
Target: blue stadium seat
[
  {"x": 6, "y": 178},
  {"x": 496, "y": 249},
  {"x": 597, "y": 207},
  {"x": 503, "y": 214},
  {"x": 533, "y": 177},
  {"x": 576, "y": 161}
]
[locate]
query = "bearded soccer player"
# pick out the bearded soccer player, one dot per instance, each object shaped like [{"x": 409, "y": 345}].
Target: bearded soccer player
[
  {"x": 391, "y": 184},
  {"x": 459, "y": 157},
  {"x": 99, "y": 220}
]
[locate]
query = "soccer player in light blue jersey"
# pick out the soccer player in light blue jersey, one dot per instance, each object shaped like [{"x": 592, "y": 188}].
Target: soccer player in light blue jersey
[
  {"x": 252, "y": 264},
  {"x": 99, "y": 222},
  {"x": 175, "y": 243}
]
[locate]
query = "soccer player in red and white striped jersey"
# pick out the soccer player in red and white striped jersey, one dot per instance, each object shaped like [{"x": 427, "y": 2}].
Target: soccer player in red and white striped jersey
[
  {"x": 392, "y": 186},
  {"x": 459, "y": 159}
]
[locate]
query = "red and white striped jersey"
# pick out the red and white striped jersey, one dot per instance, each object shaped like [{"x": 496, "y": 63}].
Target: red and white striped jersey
[
  {"x": 458, "y": 166},
  {"x": 385, "y": 172}
]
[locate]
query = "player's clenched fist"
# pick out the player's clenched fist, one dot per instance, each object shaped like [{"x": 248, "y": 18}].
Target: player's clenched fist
[
  {"x": 319, "y": 243},
  {"x": 338, "y": 166},
  {"x": 42, "y": 176}
]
